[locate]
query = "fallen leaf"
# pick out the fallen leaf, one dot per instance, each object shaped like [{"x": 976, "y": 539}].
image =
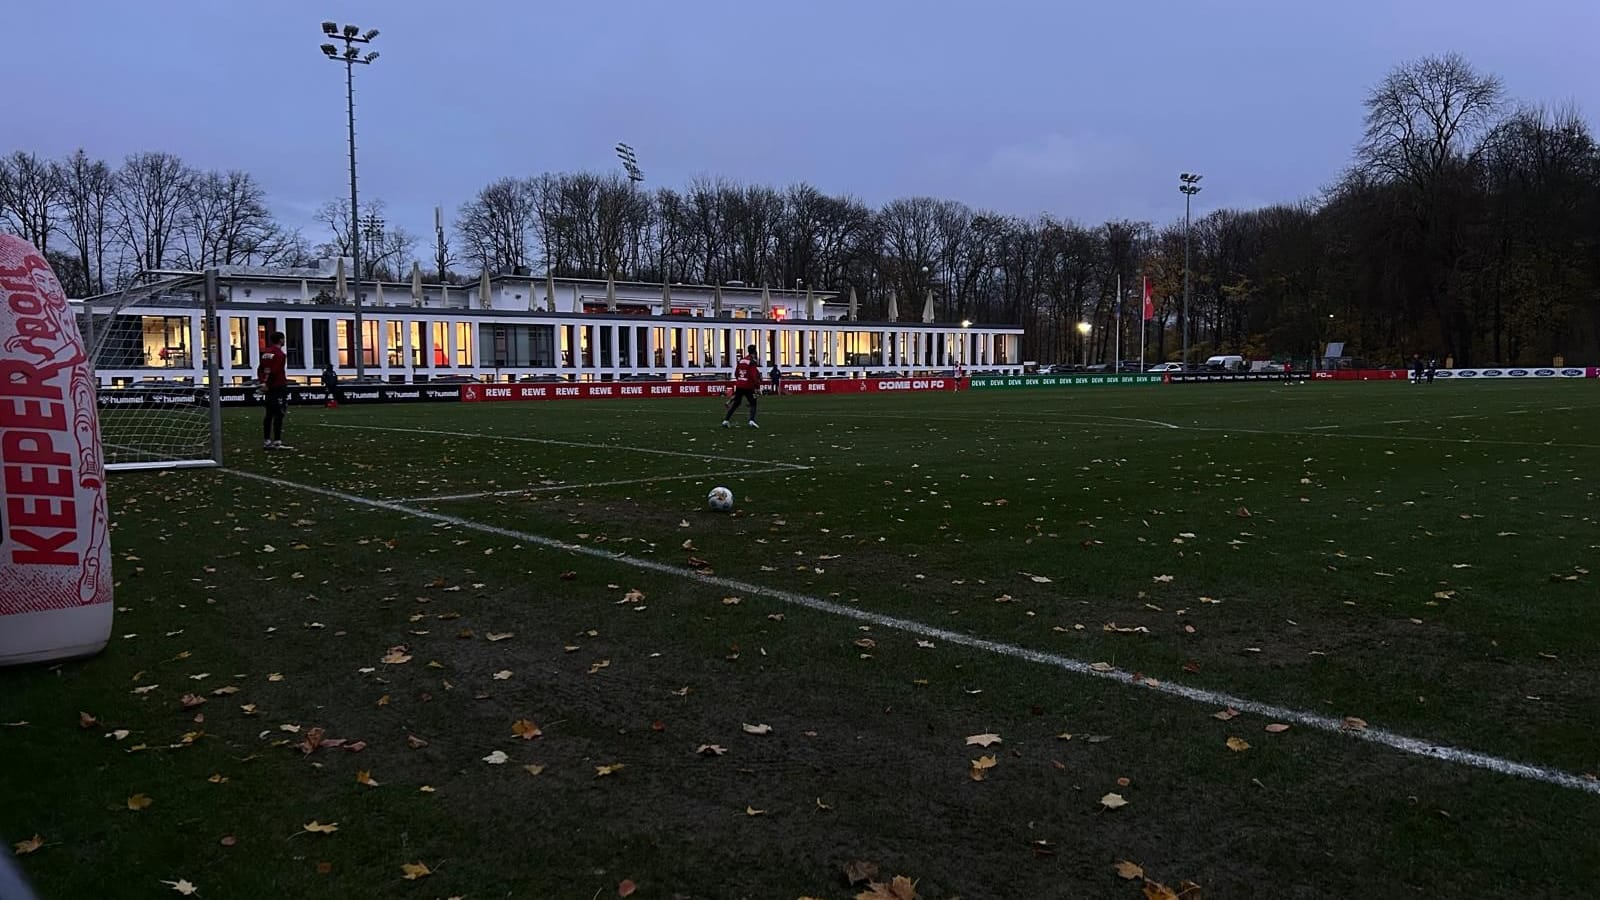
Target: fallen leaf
[
  {"x": 752, "y": 811},
  {"x": 396, "y": 657},
  {"x": 982, "y": 740},
  {"x": 710, "y": 750},
  {"x": 599, "y": 664},
  {"x": 225, "y": 690},
  {"x": 732, "y": 601},
  {"x": 525, "y": 729},
  {"x": 384, "y": 700},
  {"x": 1225, "y": 714},
  {"x": 500, "y": 636},
  {"x": 1238, "y": 745},
  {"x": 415, "y": 742},
  {"x": 1355, "y": 724},
  {"x": 603, "y": 771},
  {"x": 763, "y": 728},
  {"x": 87, "y": 721},
  {"x": 860, "y": 870},
  {"x": 426, "y": 789},
  {"x": 365, "y": 777},
  {"x": 183, "y": 887},
  {"x": 23, "y": 848},
  {"x": 190, "y": 701},
  {"x": 1154, "y": 890},
  {"x": 1277, "y": 728},
  {"x": 1242, "y": 513},
  {"x": 1113, "y": 801},
  {"x": 502, "y": 675},
  {"x": 980, "y": 766},
  {"x": 532, "y": 769},
  {"x": 1129, "y": 870},
  {"x": 316, "y": 827},
  {"x": 138, "y": 802},
  {"x": 416, "y": 870},
  {"x": 1038, "y": 579},
  {"x": 900, "y": 887},
  {"x": 218, "y": 778},
  {"x": 497, "y": 758},
  {"x": 626, "y": 888},
  {"x": 119, "y": 734}
]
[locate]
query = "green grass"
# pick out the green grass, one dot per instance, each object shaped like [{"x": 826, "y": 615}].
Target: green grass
[{"x": 1405, "y": 559}]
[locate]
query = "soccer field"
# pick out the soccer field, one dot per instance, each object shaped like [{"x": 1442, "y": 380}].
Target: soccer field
[{"x": 997, "y": 643}]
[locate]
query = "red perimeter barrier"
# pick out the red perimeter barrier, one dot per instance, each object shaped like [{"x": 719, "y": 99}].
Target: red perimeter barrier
[{"x": 486, "y": 393}]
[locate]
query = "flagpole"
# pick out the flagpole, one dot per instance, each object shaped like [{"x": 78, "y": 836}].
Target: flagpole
[{"x": 1116, "y": 352}]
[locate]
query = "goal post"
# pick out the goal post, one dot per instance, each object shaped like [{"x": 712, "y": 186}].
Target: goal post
[{"x": 153, "y": 347}]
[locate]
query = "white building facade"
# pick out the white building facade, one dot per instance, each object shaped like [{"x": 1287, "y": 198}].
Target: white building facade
[{"x": 518, "y": 327}]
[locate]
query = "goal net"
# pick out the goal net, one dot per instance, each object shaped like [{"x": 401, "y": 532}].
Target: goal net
[{"x": 149, "y": 345}]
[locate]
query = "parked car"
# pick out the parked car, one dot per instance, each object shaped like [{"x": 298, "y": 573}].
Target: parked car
[
  {"x": 1226, "y": 363},
  {"x": 1166, "y": 367},
  {"x": 539, "y": 379},
  {"x": 452, "y": 379}
]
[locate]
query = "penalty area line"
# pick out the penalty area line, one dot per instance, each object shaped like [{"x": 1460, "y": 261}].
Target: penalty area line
[
  {"x": 618, "y": 448},
  {"x": 1382, "y": 737},
  {"x": 557, "y": 488}
]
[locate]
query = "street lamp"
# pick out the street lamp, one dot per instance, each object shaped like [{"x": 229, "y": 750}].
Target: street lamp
[
  {"x": 1188, "y": 185},
  {"x": 352, "y": 56},
  {"x": 1084, "y": 328}
]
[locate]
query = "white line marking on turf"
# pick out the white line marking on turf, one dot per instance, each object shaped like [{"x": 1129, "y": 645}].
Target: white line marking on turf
[
  {"x": 553, "y": 488},
  {"x": 1382, "y": 737},
  {"x": 617, "y": 447},
  {"x": 1322, "y": 427}
]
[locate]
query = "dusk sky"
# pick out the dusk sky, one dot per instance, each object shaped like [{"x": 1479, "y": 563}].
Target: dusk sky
[{"x": 1086, "y": 111}]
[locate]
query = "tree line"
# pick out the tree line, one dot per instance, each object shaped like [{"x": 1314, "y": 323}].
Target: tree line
[{"x": 1465, "y": 227}]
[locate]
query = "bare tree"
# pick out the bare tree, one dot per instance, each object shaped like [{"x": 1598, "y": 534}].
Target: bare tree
[
  {"x": 1425, "y": 115},
  {"x": 226, "y": 221},
  {"x": 494, "y": 226},
  {"x": 88, "y": 189},
  {"x": 30, "y": 196},
  {"x": 152, "y": 194}
]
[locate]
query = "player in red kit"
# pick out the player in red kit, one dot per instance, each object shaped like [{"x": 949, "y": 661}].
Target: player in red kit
[
  {"x": 747, "y": 383},
  {"x": 275, "y": 379}
]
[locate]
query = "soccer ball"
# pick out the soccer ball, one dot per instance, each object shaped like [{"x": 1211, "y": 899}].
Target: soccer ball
[{"x": 720, "y": 499}]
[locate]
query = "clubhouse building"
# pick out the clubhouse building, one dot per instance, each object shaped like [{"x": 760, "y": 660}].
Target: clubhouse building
[{"x": 512, "y": 327}]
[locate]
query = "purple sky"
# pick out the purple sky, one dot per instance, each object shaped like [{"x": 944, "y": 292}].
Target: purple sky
[{"x": 1081, "y": 110}]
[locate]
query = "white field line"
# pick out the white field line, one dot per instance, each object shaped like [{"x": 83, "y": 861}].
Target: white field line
[
  {"x": 554, "y": 488},
  {"x": 1379, "y": 736},
  {"x": 1308, "y": 432},
  {"x": 796, "y": 467},
  {"x": 1038, "y": 419}
]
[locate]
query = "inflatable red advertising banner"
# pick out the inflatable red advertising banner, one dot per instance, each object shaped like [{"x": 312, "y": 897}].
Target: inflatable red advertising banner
[{"x": 55, "y": 551}]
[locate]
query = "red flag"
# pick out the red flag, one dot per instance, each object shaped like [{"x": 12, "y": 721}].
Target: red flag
[{"x": 1149, "y": 302}]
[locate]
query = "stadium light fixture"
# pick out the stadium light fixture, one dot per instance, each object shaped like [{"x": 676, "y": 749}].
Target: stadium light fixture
[
  {"x": 351, "y": 57},
  {"x": 1188, "y": 185},
  {"x": 1084, "y": 328}
]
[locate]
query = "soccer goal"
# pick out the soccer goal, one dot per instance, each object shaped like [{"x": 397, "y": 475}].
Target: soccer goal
[{"x": 152, "y": 348}]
